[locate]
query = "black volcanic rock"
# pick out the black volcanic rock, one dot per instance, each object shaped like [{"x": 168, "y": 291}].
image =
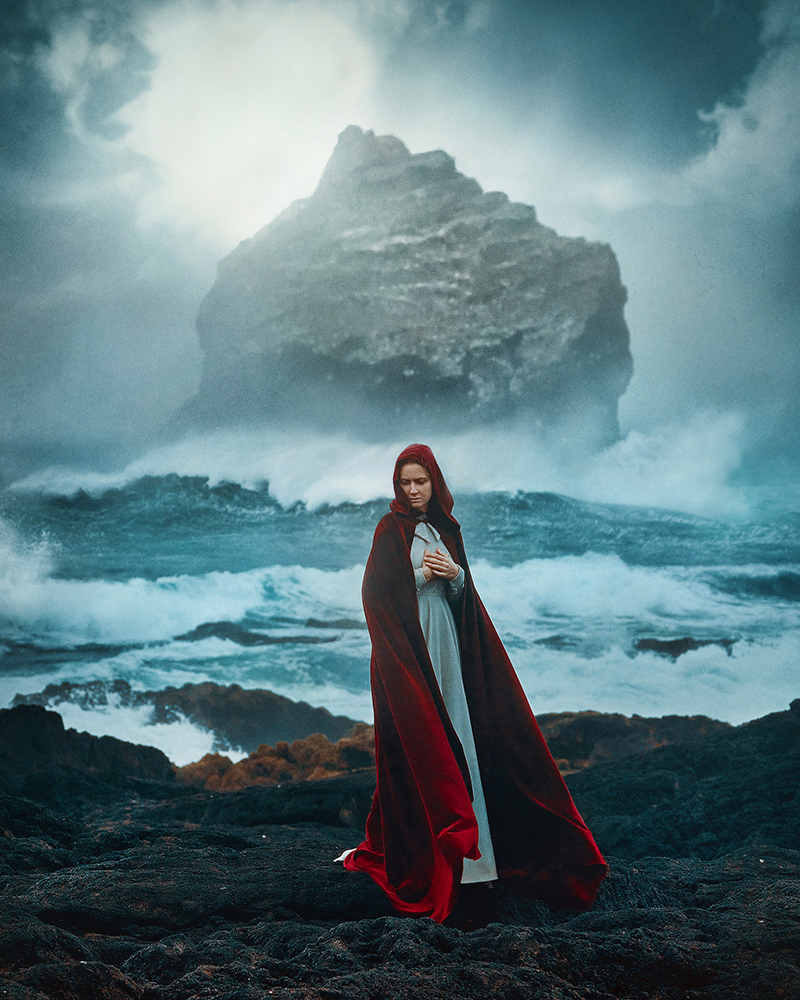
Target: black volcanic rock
[
  {"x": 239, "y": 718},
  {"x": 737, "y": 787},
  {"x": 244, "y": 637},
  {"x": 190, "y": 914},
  {"x": 401, "y": 292},
  {"x": 43, "y": 761},
  {"x": 180, "y": 895},
  {"x": 674, "y": 648},
  {"x": 339, "y": 801}
]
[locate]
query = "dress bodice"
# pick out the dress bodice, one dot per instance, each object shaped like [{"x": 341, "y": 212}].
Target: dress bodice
[{"x": 426, "y": 537}]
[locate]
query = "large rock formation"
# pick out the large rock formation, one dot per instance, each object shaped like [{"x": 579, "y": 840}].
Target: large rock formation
[{"x": 401, "y": 294}]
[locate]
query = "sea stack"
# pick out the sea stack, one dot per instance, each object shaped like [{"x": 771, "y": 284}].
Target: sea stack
[{"x": 401, "y": 296}]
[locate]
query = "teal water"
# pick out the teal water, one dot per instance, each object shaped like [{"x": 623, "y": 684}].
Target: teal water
[{"x": 100, "y": 585}]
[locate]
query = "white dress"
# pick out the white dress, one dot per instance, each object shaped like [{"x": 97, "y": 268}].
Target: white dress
[{"x": 439, "y": 629}]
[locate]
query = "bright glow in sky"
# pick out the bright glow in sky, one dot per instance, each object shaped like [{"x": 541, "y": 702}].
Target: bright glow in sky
[{"x": 244, "y": 107}]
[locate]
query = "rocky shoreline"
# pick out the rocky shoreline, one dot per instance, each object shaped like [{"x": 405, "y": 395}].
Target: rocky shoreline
[{"x": 122, "y": 880}]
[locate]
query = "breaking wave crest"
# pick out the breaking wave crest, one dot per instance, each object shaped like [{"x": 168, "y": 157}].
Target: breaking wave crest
[{"x": 683, "y": 467}]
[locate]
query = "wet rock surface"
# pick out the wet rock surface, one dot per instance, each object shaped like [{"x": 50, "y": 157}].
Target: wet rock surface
[
  {"x": 177, "y": 893},
  {"x": 673, "y": 648}
]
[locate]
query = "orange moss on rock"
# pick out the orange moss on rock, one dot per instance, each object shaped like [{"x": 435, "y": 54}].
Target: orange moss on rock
[{"x": 311, "y": 759}]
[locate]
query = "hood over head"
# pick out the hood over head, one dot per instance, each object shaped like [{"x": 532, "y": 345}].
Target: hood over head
[{"x": 442, "y": 498}]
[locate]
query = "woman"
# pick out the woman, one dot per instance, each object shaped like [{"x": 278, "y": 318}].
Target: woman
[{"x": 467, "y": 790}]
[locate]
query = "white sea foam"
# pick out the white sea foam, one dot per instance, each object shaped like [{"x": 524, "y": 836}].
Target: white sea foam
[
  {"x": 591, "y": 608},
  {"x": 601, "y": 595},
  {"x": 757, "y": 678},
  {"x": 683, "y": 466},
  {"x": 181, "y": 741},
  {"x": 24, "y": 571},
  {"x": 593, "y": 593},
  {"x": 73, "y": 612},
  {"x": 599, "y": 606},
  {"x": 596, "y": 604},
  {"x": 331, "y": 674},
  {"x": 22, "y": 563}
]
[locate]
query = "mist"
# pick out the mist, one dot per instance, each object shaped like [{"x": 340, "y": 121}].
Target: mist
[{"x": 141, "y": 145}]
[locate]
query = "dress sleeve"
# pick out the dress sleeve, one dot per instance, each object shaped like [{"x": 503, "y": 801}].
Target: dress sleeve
[
  {"x": 419, "y": 579},
  {"x": 457, "y": 583}
]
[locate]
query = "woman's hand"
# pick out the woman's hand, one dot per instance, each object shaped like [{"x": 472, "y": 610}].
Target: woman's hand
[{"x": 440, "y": 564}]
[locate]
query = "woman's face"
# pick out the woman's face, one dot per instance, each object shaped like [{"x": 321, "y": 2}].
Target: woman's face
[{"x": 416, "y": 485}]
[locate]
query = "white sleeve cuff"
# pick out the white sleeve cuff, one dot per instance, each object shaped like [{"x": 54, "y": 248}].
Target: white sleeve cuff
[{"x": 457, "y": 583}]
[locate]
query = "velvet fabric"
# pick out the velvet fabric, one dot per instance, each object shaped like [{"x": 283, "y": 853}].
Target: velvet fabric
[{"x": 421, "y": 825}]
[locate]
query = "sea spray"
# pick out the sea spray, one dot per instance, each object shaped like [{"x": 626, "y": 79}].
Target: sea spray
[{"x": 680, "y": 467}]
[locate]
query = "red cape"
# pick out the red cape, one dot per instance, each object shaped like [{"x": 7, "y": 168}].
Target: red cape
[{"x": 421, "y": 825}]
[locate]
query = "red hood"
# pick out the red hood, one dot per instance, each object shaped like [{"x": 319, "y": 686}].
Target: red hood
[{"x": 442, "y": 498}]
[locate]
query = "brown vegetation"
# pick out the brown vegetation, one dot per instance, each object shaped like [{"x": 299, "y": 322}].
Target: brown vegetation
[{"x": 310, "y": 759}]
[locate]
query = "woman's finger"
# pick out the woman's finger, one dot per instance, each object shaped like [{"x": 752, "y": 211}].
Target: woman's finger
[{"x": 439, "y": 563}]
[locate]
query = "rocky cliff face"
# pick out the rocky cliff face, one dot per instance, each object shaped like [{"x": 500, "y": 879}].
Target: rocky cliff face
[{"x": 401, "y": 294}]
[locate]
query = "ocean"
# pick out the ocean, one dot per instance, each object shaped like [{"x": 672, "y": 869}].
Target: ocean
[{"x": 105, "y": 576}]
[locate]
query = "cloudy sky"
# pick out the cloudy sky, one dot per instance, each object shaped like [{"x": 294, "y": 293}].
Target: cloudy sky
[{"x": 142, "y": 141}]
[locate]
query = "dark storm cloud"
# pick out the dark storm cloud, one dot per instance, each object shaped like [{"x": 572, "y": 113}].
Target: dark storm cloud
[
  {"x": 32, "y": 112},
  {"x": 632, "y": 74},
  {"x": 76, "y": 274},
  {"x": 31, "y": 115}
]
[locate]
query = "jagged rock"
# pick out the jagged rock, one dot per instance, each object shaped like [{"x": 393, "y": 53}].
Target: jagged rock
[
  {"x": 171, "y": 919},
  {"x": 257, "y": 720},
  {"x": 158, "y": 884},
  {"x": 43, "y": 761},
  {"x": 674, "y": 648},
  {"x": 197, "y": 895},
  {"x": 34, "y": 838},
  {"x": 576, "y": 740},
  {"x": 239, "y": 718},
  {"x": 400, "y": 292},
  {"x": 247, "y": 718},
  {"x": 736, "y": 787},
  {"x": 340, "y": 801},
  {"x": 244, "y": 637},
  {"x": 582, "y": 739}
]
